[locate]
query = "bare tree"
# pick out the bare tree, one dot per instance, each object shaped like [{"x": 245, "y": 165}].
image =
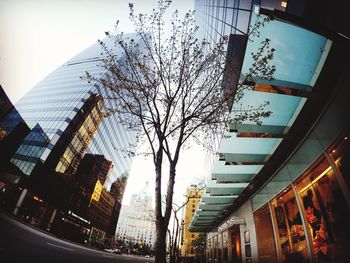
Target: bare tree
[{"x": 169, "y": 87}]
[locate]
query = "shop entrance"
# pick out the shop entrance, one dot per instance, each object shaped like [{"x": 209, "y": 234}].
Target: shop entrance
[
  {"x": 235, "y": 255},
  {"x": 265, "y": 236}
]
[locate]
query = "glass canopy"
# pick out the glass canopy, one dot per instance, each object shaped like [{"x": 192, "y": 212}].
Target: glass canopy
[{"x": 247, "y": 147}]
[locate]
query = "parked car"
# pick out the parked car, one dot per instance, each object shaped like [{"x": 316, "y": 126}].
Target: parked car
[
  {"x": 117, "y": 251},
  {"x": 109, "y": 250}
]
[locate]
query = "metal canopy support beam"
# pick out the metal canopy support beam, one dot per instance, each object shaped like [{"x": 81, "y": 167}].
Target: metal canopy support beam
[{"x": 255, "y": 128}]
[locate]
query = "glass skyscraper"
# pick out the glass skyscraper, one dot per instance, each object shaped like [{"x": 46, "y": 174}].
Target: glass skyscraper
[
  {"x": 53, "y": 103},
  {"x": 219, "y": 18}
]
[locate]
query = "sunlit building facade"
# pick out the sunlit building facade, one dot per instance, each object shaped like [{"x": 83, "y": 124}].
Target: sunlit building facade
[
  {"x": 89, "y": 205},
  {"x": 100, "y": 214},
  {"x": 194, "y": 195},
  {"x": 279, "y": 191},
  {"x": 136, "y": 222}
]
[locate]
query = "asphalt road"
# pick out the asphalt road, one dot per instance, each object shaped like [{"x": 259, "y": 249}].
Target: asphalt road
[{"x": 23, "y": 243}]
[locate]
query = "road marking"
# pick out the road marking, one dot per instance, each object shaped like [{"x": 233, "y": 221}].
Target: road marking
[{"x": 58, "y": 246}]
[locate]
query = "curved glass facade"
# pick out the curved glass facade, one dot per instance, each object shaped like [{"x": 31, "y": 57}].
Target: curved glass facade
[{"x": 54, "y": 102}]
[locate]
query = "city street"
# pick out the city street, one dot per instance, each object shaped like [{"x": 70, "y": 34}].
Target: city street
[{"x": 22, "y": 243}]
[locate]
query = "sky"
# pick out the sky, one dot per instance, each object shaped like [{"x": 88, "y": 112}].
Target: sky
[{"x": 38, "y": 36}]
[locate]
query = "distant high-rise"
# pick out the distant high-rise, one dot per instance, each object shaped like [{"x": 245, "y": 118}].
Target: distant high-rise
[
  {"x": 117, "y": 191},
  {"x": 9, "y": 140},
  {"x": 136, "y": 223},
  {"x": 194, "y": 195}
]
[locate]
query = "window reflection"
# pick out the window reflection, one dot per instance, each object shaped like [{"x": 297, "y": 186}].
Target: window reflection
[
  {"x": 290, "y": 232},
  {"x": 325, "y": 211}
]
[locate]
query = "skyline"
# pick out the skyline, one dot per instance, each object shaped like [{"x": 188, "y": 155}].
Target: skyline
[{"x": 49, "y": 34}]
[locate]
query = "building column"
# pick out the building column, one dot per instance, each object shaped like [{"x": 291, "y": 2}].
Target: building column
[
  {"x": 304, "y": 224},
  {"x": 53, "y": 215},
  {"x": 20, "y": 201}
]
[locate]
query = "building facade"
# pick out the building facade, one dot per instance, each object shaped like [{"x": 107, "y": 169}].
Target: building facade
[
  {"x": 117, "y": 191},
  {"x": 64, "y": 125},
  {"x": 53, "y": 103},
  {"x": 280, "y": 190},
  {"x": 100, "y": 214},
  {"x": 136, "y": 222},
  {"x": 194, "y": 195},
  {"x": 89, "y": 205}
]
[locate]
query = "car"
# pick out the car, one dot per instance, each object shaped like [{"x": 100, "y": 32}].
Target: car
[
  {"x": 147, "y": 256},
  {"x": 117, "y": 251},
  {"x": 108, "y": 250}
]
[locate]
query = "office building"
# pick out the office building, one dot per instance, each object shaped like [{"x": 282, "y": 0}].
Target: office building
[
  {"x": 193, "y": 194},
  {"x": 62, "y": 131},
  {"x": 100, "y": 213},
  {"x": 136, "y": 222},
  {"x": 280, "y": 191},
  {"x": 88, "y": 204},
  {"x": 117, "y": 191},
  {"x": 54, "y": 102},
  {"x": 10, "y": 140}
]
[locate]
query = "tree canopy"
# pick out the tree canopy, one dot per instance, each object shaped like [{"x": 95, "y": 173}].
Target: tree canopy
[{"x": 167, "y": 83}]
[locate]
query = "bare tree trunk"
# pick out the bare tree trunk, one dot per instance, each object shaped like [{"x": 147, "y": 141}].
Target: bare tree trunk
[
  {"x": 162, "y": 223},
  {"x": 170, "y": 238},
  {"x": 174, "y": 244},
  {"x": 160, "y": 247}
]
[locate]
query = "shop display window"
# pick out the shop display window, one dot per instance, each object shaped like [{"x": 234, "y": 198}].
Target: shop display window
[
  {"x": 326, "y": 212},
  {"x": 219, "y": 247},
  {"x": 290, "y": 232},
  {"x": 340, "y": 153},
  {"x": 225, "y": 247},
  {"x": 216, "y": 248},
  {"x": 210, "y": 250},
  {"x": 265, "y": 236}
]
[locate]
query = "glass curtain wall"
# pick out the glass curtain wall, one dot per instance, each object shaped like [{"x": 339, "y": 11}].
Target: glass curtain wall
[
  {"x": 326, "y": 212},
  {"x": 264, "y": 232},
  {"x": 288, "y": 224}
]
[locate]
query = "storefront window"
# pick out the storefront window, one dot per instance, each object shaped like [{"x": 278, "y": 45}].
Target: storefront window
[
  {"x": 290, "y": 232},
  {"x": 219, "y": 258},
  {"x": 265, "y": 236},
  {"x": 340, "y": 153},
  {"x": 326, "y": 213},
  {"x": 210, "y": 250},
  {"x": 225, "y": 247},
  {"x": 215, "y": 257}
]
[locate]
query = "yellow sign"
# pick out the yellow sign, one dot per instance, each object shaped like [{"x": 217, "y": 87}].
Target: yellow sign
[{"x": 97, "y": 191}]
